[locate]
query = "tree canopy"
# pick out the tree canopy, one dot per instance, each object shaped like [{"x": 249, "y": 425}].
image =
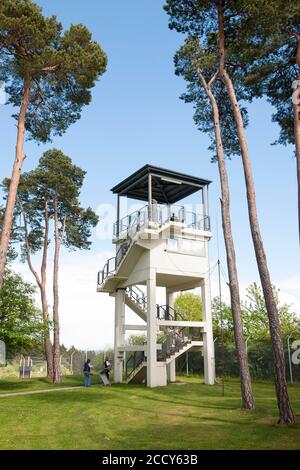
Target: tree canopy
[
  {"x": 61, "y": 66},
  {"x": 189, "y": 306},
  {"x": 255, "y": 317},
  {"x": 190, "y": 59},
  {"x": 55, "y": 178},
  {"x": 21, "y": 326},
  {"x": 265, "y": 50}
]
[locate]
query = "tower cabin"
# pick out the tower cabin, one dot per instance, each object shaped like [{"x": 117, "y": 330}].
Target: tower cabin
[{"x": 163, "y": 244}]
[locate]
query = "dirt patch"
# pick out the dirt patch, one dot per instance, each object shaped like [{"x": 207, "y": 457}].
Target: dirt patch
[
  {"x": 270, "y": 420},
  {"x": 273, "y": 421}
]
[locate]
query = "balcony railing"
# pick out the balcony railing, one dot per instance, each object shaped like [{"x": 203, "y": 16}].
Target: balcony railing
[
  {"x": 112, "y": 264},
  {"x": 159, "y": 214}
]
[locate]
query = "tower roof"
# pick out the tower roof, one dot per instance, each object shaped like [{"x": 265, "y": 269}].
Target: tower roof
[{"x": 168, "y": 186}]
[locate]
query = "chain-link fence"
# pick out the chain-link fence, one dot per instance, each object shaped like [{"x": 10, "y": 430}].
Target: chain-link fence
[
  {"x": 71, "y": 363},
  {"x": 259, "y": 356}
]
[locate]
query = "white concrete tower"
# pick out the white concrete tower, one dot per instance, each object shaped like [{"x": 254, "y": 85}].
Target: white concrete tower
[{"x": 163, "y": 244}]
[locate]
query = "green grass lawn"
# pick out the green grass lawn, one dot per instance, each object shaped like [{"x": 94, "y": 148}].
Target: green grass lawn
[
  {"x": 186, "y": 415},
  {"x": 13, "y": 385}
]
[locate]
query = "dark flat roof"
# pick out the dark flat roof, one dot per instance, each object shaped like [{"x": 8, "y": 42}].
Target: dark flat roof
[{"x": 168, "y": 186}]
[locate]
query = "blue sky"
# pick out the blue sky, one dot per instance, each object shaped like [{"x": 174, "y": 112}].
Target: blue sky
[{"x": 136, "y": 117}]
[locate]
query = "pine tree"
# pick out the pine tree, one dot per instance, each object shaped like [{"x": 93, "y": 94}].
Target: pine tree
[
  {"x": 213, "y": 116},
  {"x": 49, "y": 74},
  {"x": 216, "y": 22},
  {"x": 48, "y": 200}
]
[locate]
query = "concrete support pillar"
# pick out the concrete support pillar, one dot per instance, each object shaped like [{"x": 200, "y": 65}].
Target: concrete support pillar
[
  {"x": 171, "y": 371},
  {"x": 208, "y": 343},
  {"x": 170, "y": 298},
  {"x": 119, "y": 335},
  {"x": 151, "y": 330}
]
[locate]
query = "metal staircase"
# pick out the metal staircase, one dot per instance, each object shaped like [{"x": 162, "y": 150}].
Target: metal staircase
[
  {"x": 136, "y": 367},
  {"x": 177, "y": 340},
  {"x": 136, "y": 300},
  {"x": 175, "y": 344},
  {"x": 112, "y": 265}
]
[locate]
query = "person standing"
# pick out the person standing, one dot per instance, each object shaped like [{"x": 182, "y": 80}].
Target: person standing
[
  {"x": 107, "y": 367},
  {"x": 87, "y": 373}
]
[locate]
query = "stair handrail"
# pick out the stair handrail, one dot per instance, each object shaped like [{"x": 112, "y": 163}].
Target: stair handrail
[
  {"x": 175, "y": 340},
  {"x": 169, "y": 313},
  {"x": 137, "y": 296},
  {"x": 115, "y": 261},
  {"x": 139, "y": 358}
]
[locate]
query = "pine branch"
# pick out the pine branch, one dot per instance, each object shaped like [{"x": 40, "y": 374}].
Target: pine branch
[{"x": 52, "y": 68}]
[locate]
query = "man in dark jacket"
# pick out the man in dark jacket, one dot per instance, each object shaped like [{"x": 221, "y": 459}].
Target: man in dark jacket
[{"x": 87, "y": 373}]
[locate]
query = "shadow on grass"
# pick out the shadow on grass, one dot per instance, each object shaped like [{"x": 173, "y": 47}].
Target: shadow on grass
[
  {"x": 111, "y": 399},
  {"x": 163, "y": 395},
  {"x": 87, "y": 395},
  {"x": 104, "y": 396},
  {"x": 173, "y": 395},
  {"x": 182, "y": 415}
]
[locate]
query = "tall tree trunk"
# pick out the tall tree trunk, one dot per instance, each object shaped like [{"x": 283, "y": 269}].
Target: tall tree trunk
[
  {"x": 296, "y": 110},
  {"x": 56, "y": 336},
  {"x": 41, "y": 283},
  {"x": 14, "y": 182},
  {"x": 245, "y": 378},
  {"x": 47, "y": 341},
  {"x": 285, "y": 411}
]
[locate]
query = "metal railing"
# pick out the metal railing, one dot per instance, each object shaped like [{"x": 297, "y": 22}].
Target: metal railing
[
  {"x": 137, "y": 296},
  {"x": 113, "y": 263},
  {"x": 136, "y": 220},
  {"x": 166, "y": 312},
  {"x": 176, "y": 339},
  {"x": 160, "y": 214},
  {"x": 133, "y": 362}
]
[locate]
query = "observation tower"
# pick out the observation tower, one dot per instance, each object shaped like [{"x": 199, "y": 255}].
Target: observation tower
[{"x": 162, "y": 244}]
